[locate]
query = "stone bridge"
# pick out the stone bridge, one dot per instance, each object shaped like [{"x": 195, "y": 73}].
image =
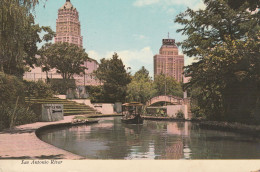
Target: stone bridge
[{"x": 171, "y": 99}]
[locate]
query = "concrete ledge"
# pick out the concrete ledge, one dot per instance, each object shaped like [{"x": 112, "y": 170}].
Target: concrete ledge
[
  {"x": 103, "y": 116},
  {"x": 62, "y": 125},
  {"x": 23, "y": 143}
]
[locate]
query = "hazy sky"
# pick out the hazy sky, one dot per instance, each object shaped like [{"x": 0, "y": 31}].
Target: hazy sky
[{"x": 132, "y": 28}]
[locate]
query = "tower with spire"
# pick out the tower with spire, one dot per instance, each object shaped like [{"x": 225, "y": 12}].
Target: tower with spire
[{"x": 68, "y": 25}]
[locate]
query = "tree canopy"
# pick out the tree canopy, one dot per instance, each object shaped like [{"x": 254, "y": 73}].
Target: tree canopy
[
  {"x": 67, "y": 59},
  {"x": 252, "y": 4},
  {"x": 141, "y": 88},
  {"x": 113, "y": 75},
  {"x": 19, "y": 36},
  {"x": 226, "y": 43},
  {"x": 167, "y": 85}
]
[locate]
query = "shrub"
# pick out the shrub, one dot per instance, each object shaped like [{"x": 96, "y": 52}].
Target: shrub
[
  {"x": 197, "y": 113},
  {"x": 180, "y": 114},
  {"x": 13, "y": 109},
  {"x": 96, "y": 94},
  {"x": 38, "y": 89},
  {"x": 61, "y": 86},
  {"x": 11, "y": 116},
  {"x": 10, "y": 88},
  {"x": 24, "y": 115}
]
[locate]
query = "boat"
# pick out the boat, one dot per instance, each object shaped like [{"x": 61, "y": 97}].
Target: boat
[{"x": 132, "y": 113}]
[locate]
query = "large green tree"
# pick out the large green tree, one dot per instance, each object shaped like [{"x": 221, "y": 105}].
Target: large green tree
[
  {"x": 166, "y": 85},
  {"x": 113, "y": 75},
  {"x": 67, "y": 59},
  {"x": 141, "y": 88},
  {"x": 19, "y": 36},
  {"x": 226, "y": 43}
]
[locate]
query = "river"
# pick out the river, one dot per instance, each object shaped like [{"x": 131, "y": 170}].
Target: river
[{"x": 111, "y": 139}]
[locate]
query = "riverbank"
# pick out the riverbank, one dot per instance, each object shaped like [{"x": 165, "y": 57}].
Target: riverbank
[
  {"x": 22, "y": 142},
  {"x": 155, "y": 118},
  {"x": 252, "y": 130}
]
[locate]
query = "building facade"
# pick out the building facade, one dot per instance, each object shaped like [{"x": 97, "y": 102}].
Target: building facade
[
  {"x": 67, "y": 30},
  {"x": 168, "y": 61},
  {"x": 68, "y": 25}
]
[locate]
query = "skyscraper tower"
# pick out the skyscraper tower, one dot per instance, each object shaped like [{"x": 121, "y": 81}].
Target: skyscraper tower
[
  {"x": 68, "y": 25},
  {"x": 168, "y": 61}
]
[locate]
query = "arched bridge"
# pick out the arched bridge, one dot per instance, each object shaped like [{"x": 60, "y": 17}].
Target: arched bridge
[{"x": 171, "y": 99}]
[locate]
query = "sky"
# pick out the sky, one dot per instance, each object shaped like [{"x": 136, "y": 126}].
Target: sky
[{"x": 134, "y": 29}]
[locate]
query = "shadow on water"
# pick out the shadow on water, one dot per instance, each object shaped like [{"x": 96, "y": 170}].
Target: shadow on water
[
  {"x": 59, "y": 156},
  {"x": 110, "y": 139},
  {"x": 21, "y": 157}
]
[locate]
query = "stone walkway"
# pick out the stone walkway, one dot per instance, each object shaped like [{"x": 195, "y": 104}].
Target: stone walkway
[{"x": 22, "y": 143}]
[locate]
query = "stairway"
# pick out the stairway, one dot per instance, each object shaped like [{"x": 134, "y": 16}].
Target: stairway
[{"x": 69, "y": 107}]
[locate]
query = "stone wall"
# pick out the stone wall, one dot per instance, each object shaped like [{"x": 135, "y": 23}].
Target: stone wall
[{"x": 172, "y": 110}]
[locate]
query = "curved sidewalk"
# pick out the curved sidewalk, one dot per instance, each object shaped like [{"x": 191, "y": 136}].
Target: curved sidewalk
[{"x": 22, "y": 143}]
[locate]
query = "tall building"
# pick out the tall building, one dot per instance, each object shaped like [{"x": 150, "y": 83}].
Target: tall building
[
  {"x": 68, "y": 25},
  {"x": 168, "y": 61},
  {"x": 67, "y": 30}
]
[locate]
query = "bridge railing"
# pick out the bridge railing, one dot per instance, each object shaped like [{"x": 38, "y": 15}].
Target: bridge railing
[{"x": 162, "y": 98}]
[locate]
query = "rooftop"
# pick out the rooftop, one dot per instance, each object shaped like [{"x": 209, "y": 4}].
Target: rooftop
[{"x": 67, "y": 5}]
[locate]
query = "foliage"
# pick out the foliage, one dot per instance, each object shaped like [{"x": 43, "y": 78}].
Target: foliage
[
  {"x": 22, "y": 115},
  {"x": 38, "y": 89},
  {"x": 113, "y": 75},
  {"x": 10, "y": 88},
  {"x": 67, "y": 59},
  {"x": 226, "y": 77},
  {"x": 58, "y": 86},
  {"x": 19, "y": 36},
  {"x": 236, "y": 4},
  {"x": 141, "y": 88},
  {"x": 96, "y": 94},
  {"x": 167, "y": 85},
  {"x": 180, "y": 114},
  {"x": 13, "y": 109}
]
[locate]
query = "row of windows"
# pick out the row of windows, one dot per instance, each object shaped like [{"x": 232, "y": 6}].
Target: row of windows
[
  {"x": 65, "y": 23},
  {"x": 169, "y": 53},
  {"x": 67, "y": 12},
  {"x": 68, "y": 19},
  {"x": 67, "y": 38},
  {"x": 68, "y": 16},
  {"x": 68, "y": 29}
]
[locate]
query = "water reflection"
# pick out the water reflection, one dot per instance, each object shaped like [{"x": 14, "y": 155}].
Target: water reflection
[{"x": 110, "y": 139}]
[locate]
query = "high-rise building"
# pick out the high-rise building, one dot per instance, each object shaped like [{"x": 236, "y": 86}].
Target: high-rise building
[
  {"x": 68, "y": 25},
  {"x": 168, "y": 61},
  {"x": 67, "y": 30}
]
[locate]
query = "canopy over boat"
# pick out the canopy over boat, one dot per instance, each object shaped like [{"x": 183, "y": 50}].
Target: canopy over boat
[{"x": 132, "y": 113}]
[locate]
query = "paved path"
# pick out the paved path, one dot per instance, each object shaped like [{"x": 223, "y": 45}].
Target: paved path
[{"x": 22, "y": 143}]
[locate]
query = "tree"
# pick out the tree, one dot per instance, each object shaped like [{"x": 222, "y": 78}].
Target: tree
[
  {"x": 67, "y": 59},
  {"x": 166, "y": 85},
  {"x": 113, "y": 75},
  {"x": 19, "y": 36},
  {"x": 252, "y": 4},
  {"x": 226, "y": 43},
  {"x": 141, "y": 88}
]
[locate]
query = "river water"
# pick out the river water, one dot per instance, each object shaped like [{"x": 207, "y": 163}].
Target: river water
[{"x": 111, "y": 139}]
